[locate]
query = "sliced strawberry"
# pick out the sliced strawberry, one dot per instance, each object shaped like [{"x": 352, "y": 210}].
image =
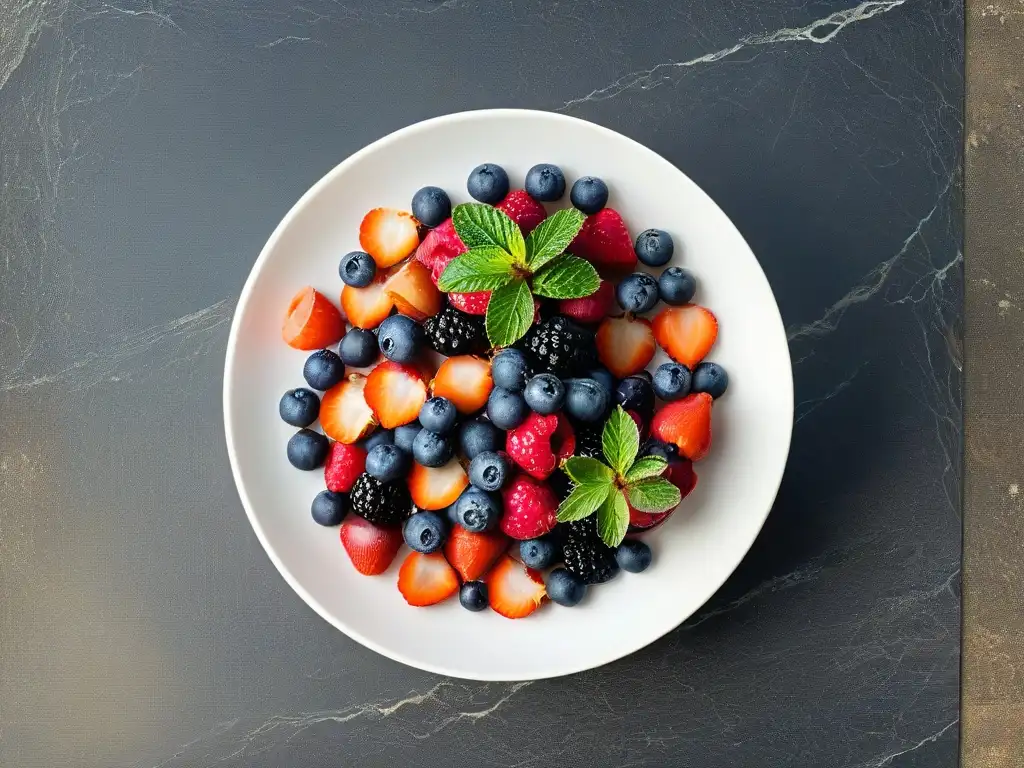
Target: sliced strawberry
[
  {"x": 345, "y": 414},
  {"x": 439, "y": 247},
  {"x": 426, "y": 579},
  {"x": 530, "y": 508},
  {"x": 514, "y": 590},
  {"x": 540, "y": 443},
  {"x": 437, "y": 487},
  {"x": 371, "y": 549},
  {"x": 413, "y": 291},
  {"x": 686, "y": 424},
  {"x": 523, "y": 210},
  {"x": 625, "y": 345},
  {"x": 367, "y": 307},
  {"x": 396, "y": 393},
  {"x": 389, "y": 235},
  {"x": 344, "y": 464},
  {"x": 472, "y": 554},
  {"x": 466, "y": 381},
  {"x": 686, "y": 333},
  {"x": 590, "y": 309},
  {"x": 312, "y": 321},
  {"x": 680, "y": 473},
  {"x": 604, "y": 241}
]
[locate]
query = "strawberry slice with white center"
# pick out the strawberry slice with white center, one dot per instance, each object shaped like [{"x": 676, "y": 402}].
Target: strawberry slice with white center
[
  {"x": 367, "y": 307},
  {"x": 395, "y": 393},
  {"x": 371, "y": 549},
  {"x": 514, "y": 590},
  {"x": 686, "y": 333},
  {"x": 625, "y": 345},
  {"x": 389, "y": 235},
  {"x": 413, "y": 291},
  {"x": 686, "y": 424},
  {"x": 345, "y": 414},
  {"x": 426, "y": 579},
  {"x": 437, "y": 487},
  {"x": 466, "y": 381}
]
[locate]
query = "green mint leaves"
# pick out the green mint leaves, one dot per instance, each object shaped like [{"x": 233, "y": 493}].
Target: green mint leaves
[
  {"x": 609, "y": 488},
  {"x": 515, "y": 269}
]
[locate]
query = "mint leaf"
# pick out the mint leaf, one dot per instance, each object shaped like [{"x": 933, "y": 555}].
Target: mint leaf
[
  {"x": 552, "y": 236},
  {"x": 480, "y": 269},
  {"x": 620, "y": 440},
  {"x": 509, "y": 313},
  {"x": 586, "y": 471},
  {"x": 583, "y": 500},
  {"x": 567, "y": 277},
  {"x": 648, "y": 466},
  {"x": 613, "y": 519},
  {"x": 477, "y": 225},
  {"x": 656, "y": 494}
]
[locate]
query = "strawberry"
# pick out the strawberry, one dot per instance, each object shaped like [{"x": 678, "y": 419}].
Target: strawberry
[
  {"x": 344, "y": 413},
  {"x": 466, "y": 381},
  {"x": 439, "y": 247},
  {"x": 371, "y": 549},
  {"x": 367, "y": 307},
  {"x": 312, "y": 321},
  {"x": 686, "y": 424},
  {"x": 389, "y": 235},
  {"x": 680, "y": 473},
  {"x": 514, "y": 590},
  {"x": 530, "y": 508},
  {"x": 590, "y": 309},
  {"x": 436, "y": 488},
  {"x": 426, "y": 579},
  {"x": 523, "y": 210},
  {"x": 625, "y": 345},
  {"x": 413, "y": 291},
  {"x": 344, "y": 464},
  {"x": 686, "y": 333},
  {"x": 471, "y": 303},
  {"x": 604, "y": 241},
  {"x": 396, "y": 393},
  {"x": 472, "y": 554},
  {"x": 540, "y": 443}
]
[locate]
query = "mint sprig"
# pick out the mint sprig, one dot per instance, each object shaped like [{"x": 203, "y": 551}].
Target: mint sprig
[{"x": 610, "y": 487}]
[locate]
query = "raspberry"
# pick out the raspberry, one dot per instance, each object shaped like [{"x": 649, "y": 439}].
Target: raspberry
[
  {"x": 345, "y": 463},
  {"x": 380, "y": 503},
  {"x": 586, "y": 555},
  {"x": 560, "y": 346},
  {"x": 539, "y": 443},
  {"x": 452, "y": 332},
  {"x": 530, "y": 508}
]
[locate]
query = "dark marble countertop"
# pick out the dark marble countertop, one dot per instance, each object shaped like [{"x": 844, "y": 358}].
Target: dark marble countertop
[{"x": 148, "y": 149}]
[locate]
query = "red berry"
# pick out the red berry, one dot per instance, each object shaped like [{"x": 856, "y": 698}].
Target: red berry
[
  {"x": 540, "y": 443},
  {"x": 344, "y": 464},
  {"x": 530, "y": 508},
  {"x": 604, "y": 241},
  {"x": 523, "y": 210},
  {"x": 592, "y": 308},
  {"x": 686, "y": 424}
]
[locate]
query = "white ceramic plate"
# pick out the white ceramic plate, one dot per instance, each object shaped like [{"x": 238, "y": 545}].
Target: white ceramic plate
[{"x": 695, "y": 551}]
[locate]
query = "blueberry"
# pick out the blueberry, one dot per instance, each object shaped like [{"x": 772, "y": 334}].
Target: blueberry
[
  {"x": 603, "y": 377},
  {"x": 488, "y": 183},
  {"x": 509, "y": 370},
  {"x": 358, "y": 348},
  {"x": 299, "y": 407},
  {"x": 545, "y": 182},
  {"x": 564, "y": 588},
  {"x": 473, "y": 596},
  {"x": 488, "y": 470},
  {"x": 589, "y": 194},
  {"x": 672, "y": 381},
  {"x": 633, "y": 556},
  {"x": 653, "y": 447},
  {"x": 711, "y": 378},
  {"x": 431, "y": 206},
  {"x": 545, "y": 393},
  {"x": 506, "y": 410},
  {"x": 477, "y": 436},
  {"x": 425, "y": 532},
  {"x": 357, "y": 269},
  {"x": 645, "y": 375},
  {"x": 400, "y": 338},
  {"x": 654, "y": 247},
  {"x": 450, "y": 514},
  {"x": 586, "y": 400},
  {"x": 388, "y": 462},
  {"x": 329, "y": 508},
  {"x": 477, "y": 510},
  {"x": 538, "y": 553},
  {"x": 405, "y": 435},
  {"x": 635, "y": 393},
  {"x": 637, "y": 293},
  {"x": 378, "y": 437},
  {"x": 677, "y": 286},
  {"x": 438, "y": 415},
  {"x": 431, "y": 449},
  {"x": 323, "y": 369},
  {"x": 308, "y": 449}
]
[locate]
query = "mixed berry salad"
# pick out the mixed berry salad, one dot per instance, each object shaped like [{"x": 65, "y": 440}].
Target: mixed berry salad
[{"x": 484, "y": 406}]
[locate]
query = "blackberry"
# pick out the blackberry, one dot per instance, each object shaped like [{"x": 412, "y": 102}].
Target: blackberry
[
  {"x": 452, "y": 332},
  {"x": 588, "y": 440},
  {"x": 560, "y": 346},
  {"x": 586, "y": 555},
  {"x": 560, "y": 484},
  {"x": 380, "y": 503}
]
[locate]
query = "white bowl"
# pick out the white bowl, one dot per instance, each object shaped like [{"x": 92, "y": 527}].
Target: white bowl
[{"x": 694, "y": 552}]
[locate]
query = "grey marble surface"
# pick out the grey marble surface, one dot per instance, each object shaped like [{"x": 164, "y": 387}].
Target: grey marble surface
[{"x": 147, "y": 149}]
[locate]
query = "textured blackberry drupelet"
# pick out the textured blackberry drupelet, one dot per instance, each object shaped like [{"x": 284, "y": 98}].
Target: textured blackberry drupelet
[
  {"x": 560, "y": 484},
  {"x": 560, "y": 346},
  {"x": 588, "y": 440},
  {"x": 585, "y": 555},
  {"x": 380, "y": 503},
  {"x": 452, "y": 332}
]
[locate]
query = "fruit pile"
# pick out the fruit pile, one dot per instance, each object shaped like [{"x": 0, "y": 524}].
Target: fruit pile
[{"x": 491, "y": 393}]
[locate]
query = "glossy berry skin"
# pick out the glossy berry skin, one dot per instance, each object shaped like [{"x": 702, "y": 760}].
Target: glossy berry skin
[
  {"x": 405, "y": 435},
  {"x": 478, "y": 436},
  {"x": 323, "y": 369},
  {"x": 378, "y": 437},
  {"x": 586, "y": 400},
  {"x": 603, "y": 377},
  {"x": 654, "y": 247},
  {"x": 438, "y": 415},
  {"x": 477, "y": 511},
  {"x": 637, "y": 293},
  {"x": 545, "y": 182},
  {"x": 299, "y": 407},
  {"x": 329, "y": 508},
  {"x": 400, "y": 338},
  {"x": 677, "y": 286},
  {"x": 505, "y": 409},
  {"x": 545, "y": 393},
  {"x": 589, "y": 194},
  {"x": 431, "y": 206},
  {"x": 358, "y": 348},
  {"x": 425, "y": 532},
  {"x": 564, "y": 588},
  {"x": 431, "y": 449},
  {"x": 488, "y": 471},
  {"x": 653, "y": 447},
  {"x": 539, "y": 553},
  {"x": 473, "y": 596},
  {"x": 510, "y": 370},
  {"x": 672, "y": 381},
  {"x": 307, "y": 450},
  {"x": 636, "y": 393},
  {"x": 387, "y": 462},
  {"x": 488, "y": 183},
  {"x": 633, "y": 556},
  {"x": 357, "y": 269},
  {"x": 711, "y": 378}
]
